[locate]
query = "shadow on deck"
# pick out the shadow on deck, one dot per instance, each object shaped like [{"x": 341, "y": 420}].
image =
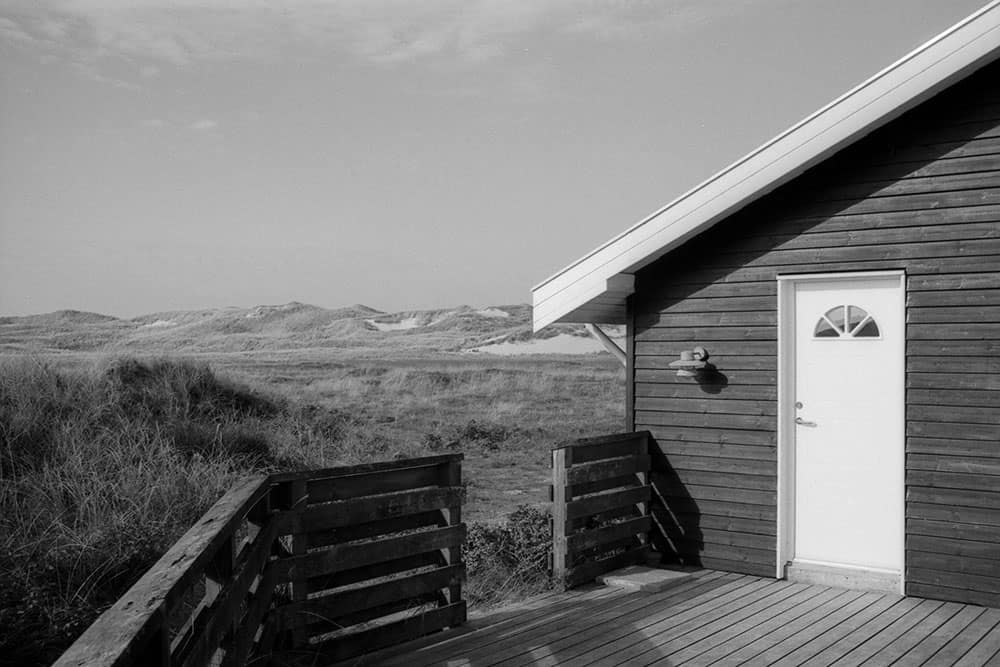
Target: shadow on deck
[{"x": 715, "y": 619}]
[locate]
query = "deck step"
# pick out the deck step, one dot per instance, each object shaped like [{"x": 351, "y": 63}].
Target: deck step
[{"x": 643, "y": 578}]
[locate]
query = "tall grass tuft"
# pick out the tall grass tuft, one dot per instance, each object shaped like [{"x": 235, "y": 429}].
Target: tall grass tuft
[{"x": 101, "y": 471}]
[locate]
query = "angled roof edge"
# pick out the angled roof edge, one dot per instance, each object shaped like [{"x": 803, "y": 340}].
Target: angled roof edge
[{"x": 588, "y": 290}]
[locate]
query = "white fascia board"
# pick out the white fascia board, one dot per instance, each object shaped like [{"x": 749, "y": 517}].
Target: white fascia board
[{"x": 929, "y": 69}]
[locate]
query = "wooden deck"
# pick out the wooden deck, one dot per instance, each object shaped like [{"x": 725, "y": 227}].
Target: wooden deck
[{"x": 716, "y": 619}]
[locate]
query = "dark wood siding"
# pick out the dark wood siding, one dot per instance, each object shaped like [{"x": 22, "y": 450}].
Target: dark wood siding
[{"x": 923, "y": 195}]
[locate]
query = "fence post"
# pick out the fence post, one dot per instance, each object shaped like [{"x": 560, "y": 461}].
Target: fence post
[
  {"x": 562, "y": 459},
  {"x": 218, "y": 575},
  {"x": 291, "y": 496},
  {"x": 642, "y": 449},
  {"x": 299, "y": 547},
  {"x": 453, "y": 477}
]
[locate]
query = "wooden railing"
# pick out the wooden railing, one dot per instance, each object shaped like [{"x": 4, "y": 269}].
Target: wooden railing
[
  {"x": 376, "y": 557},
  {"x": 600, "y": 506},
  {"x": 307, "y": 567}
]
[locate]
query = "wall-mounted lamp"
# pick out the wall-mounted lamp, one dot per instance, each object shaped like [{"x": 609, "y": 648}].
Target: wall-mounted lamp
[{"x": 691, "y": 362}]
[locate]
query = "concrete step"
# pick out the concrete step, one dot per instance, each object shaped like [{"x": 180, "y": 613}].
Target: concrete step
[
  {"x": 841, "y": 576},
  {"x": 643, "y": 578}
]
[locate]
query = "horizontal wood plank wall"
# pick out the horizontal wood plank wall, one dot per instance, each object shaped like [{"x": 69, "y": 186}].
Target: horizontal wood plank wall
[{"x": 923, "y": 195}]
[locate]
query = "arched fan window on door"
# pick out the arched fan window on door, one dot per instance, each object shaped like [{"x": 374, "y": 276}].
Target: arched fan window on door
[{"x": 846, "y": 322}]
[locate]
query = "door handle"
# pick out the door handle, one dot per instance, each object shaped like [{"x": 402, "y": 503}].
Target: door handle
[{"x": 802, "y": 422}]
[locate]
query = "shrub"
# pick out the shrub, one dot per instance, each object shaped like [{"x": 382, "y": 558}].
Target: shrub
[
  {"x": 162, "y": 388},
  {"x": 487, "y": 437},
  {"x": 509, "y": 560}
]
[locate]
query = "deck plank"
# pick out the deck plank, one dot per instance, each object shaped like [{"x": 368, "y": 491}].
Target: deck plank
[
  {"x": 493, "y": 639},
  {"x": 799, "y": 646},
  {"x": 667, "y": 626},
  {"x": 985, "y": 650},
  {"x": 736, "y": 654},
  {"x": 719, "y": 619},
  {"x": 929, "y": 645},
  {"x": 851, "y": 637},
  {"x": 511, "y": 620},
  {"x": 625, "y": 624},
  {"x": 571, "y": 645},
  {"x": 513, "y": 646},
  {"x": 628, "y": 627},
  {"x": 531, "y": 649},
  {"x": 712, "y": 634},
  {"x": 635, "y": 621},
  {"x": 512, "y": 641},
  {"x": 959, "y": 645},
  {"x": 755, "y": 625},
  {"x": 832, "y": 635},
  {"x": 670, "y": 635},
  {"x": 863, "y": 652},
  {"x": 931, "y": 624}
]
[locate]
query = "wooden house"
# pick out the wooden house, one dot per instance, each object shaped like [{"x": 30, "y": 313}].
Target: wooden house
[{"x": 844, "y": 279}]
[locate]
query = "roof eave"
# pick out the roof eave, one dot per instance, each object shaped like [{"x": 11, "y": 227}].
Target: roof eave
[{"x": 581, "y": 288}]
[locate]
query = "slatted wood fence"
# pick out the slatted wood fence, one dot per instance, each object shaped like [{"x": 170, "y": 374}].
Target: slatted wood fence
[
  {"x": 298, "y": 568},
  {"x": 372, "y": 544},
  {"x": 600, "y": 506}
]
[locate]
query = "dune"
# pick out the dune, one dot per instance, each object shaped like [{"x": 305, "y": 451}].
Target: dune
[
  {"x": 559, "y": 344},
  {"x": 493, "y": 313},
  {"x": 402, "y": 325},
  {"x": 498, "y": 330}
]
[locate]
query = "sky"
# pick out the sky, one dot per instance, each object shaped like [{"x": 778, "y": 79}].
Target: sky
[{"x": 178, "y": 154}]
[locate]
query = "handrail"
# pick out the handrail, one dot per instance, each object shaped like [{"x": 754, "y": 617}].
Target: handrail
[
  {"x": 132, "y": 631},
  {"x": 600, "y": 506},
  {"x": 324, "y": 564}
]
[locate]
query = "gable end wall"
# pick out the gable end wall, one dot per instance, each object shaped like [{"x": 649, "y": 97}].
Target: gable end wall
[{"x": 922, "y": 195}]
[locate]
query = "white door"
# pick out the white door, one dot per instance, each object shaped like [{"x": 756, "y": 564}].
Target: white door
[{"x": 847, "y": 436}]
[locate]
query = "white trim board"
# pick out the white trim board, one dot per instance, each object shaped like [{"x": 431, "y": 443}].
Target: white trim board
[
  {"x": 845, "y": 275},
  {"x": 582, "y": 288}
]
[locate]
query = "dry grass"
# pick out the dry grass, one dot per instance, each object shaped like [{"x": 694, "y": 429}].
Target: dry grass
[
  {"x": 504, "y": 414},
  {"x": 93, "y": 489}
]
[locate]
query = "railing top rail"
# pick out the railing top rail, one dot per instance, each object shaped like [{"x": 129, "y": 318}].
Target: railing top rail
[
  {"x": 602, "y": 440},
  {"x": 360, "y": 469},
  {"x": 125, "y": 628}
]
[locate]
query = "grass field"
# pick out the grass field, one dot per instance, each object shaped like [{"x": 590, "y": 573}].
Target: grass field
[
  {"x": 105, "y": 462},
  {"x": 505, "y": 414}
]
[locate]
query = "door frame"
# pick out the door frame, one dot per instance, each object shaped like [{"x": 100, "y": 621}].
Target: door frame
[{"x": 786, "y": 414}]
